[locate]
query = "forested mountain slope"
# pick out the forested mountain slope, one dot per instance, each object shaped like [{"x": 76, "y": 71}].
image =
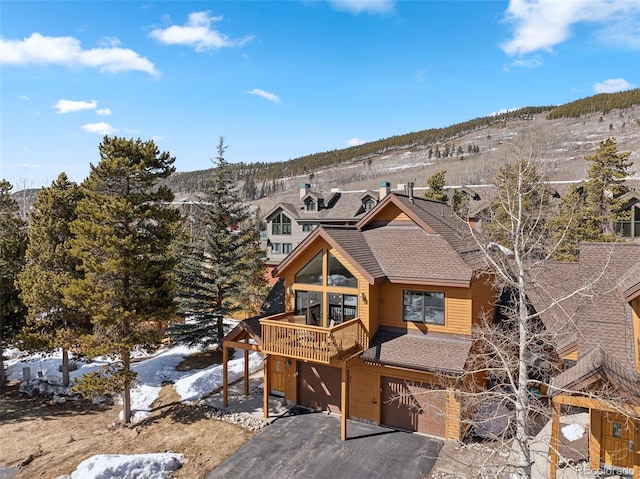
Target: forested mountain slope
[{"x": 469, "y": 151}]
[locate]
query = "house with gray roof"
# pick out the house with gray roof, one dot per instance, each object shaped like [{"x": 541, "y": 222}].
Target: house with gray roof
[{"x": 291, "y": 220}]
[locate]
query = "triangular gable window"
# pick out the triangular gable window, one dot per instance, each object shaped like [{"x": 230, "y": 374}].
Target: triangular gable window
[
  {"x": 339, "y": 275},
  {"x": 311, "y": 273}
]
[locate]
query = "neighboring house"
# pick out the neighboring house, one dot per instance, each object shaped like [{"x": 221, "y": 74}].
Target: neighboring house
[
  {"x": 598, "y": 348},
  {"x": 630, "y": 226},
  {"x": 378, "y": 318},
  {"x": 290, "y": 221}
]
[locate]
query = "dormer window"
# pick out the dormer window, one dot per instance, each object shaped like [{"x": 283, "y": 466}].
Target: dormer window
[
  {"x": 369, "y": 203},
  {"x": 281, "y": 225},
  {"x": 310, "y": 205}
]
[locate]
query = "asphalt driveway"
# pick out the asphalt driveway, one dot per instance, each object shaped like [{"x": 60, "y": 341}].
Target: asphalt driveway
[{"x": 305, "y": 444}]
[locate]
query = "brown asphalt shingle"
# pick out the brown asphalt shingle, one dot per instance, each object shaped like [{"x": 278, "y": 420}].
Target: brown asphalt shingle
[
  {"x": 411, "y": 254},
  {"x": 598, "y": 318},
  {"x": 430, "y": 352}
]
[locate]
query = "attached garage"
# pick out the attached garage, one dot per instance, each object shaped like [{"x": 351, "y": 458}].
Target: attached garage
[
  {"x": 319, "y": 387},
  {"x": 413, "y": 406}
]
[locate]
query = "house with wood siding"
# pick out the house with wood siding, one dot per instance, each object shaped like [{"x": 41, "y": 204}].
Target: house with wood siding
[
  {"x": 598, "y": 348},
  {"x": 378, "y": 318},
  {"x": 293, "y": 218}
]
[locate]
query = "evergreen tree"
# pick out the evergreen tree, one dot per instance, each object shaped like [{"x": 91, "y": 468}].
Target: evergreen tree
[
  {"x": 50, "y": 268},
  {"x": 521, "y": 188},
  {"x": 436, "y": 183},
  {"x": 123, "y": 238},
  {"x": 460, "y": 203},
  {"x": 605, "y": 176},
  {"x": 13, "y": 244},
  {"x": 219, "y": 262},
  {"x": 588, "y": 212}
]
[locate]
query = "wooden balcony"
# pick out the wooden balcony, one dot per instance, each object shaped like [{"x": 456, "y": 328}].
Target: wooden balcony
[{"x": 283, "y": 336}]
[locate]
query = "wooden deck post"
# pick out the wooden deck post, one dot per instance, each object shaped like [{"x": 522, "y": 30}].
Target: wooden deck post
[
  {"x": 344, "y": 402},
  {"x": 267, "y": 385},
  {"x": 246, "y": 370},
  {"x": 555, "y": 439},
  {"x": 225, "y": 375}
]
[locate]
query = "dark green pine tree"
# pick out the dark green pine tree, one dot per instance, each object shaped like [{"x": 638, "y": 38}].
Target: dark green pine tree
[
  {"x": 607, "y": 171},
  {"x": 123, "y": 237},
  {"x": 13, "y": 244},
  {"x": 436, "y": 183},
  {"x": 49, "y": 270},
  {"x": 588, "y": 212},
  {"x": 221, "y": 261}
]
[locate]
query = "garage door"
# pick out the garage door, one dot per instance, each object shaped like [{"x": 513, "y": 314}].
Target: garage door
[
  {"x": 319, "y": 387},
  {"x": 413, "y": 406}
]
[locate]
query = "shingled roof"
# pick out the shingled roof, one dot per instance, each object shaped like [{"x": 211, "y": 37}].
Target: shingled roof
[
  {"x": 594, "y": 365},
  {"x": 429, "y": 352},
  {"x": 598, "y": 318},
  {"x": 338, "y": 206},
  {"x": 435, "y": 248}
]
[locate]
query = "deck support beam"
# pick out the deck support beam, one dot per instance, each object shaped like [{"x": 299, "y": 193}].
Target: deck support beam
[
  {"x": 225, "y": 374},
  {"x": 344, "y": 402},
  {"x": 555, "y": 439},
  {"x": 267, "y": 385}
]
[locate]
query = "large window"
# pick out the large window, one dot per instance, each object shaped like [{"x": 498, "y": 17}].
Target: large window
[
  {"x": 311, "y": 205},
  {"x": 286, "y": 248},
  {"x": 281, "y": 225},
  {"x": 629, "y": 228},
  {"x": 342, "y": 307},
  {"x": 275, "y": 248},
  {"x": 311, "y": 273},
  {"x": 339, "y": 275},
  {"x": 423, "y": 307},
  {"x": 307, "y": 227},
  {"x": 309, "y": 305}
]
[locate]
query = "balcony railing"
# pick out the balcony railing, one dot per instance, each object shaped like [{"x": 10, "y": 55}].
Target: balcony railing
[{"x": 283, "y": 336}]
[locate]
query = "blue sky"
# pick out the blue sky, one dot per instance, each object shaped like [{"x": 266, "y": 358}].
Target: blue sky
[{"x": 282, "y": 79}]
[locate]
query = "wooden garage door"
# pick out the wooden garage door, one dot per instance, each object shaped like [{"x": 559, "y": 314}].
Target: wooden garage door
[
  {"x": 413, "y": 406},
  {"x": 319, "y": 387}
]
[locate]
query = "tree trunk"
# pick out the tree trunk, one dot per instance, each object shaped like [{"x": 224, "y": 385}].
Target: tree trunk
[
  {"x": 1, "y": 358},
  {"x": 220, "y": 330},
  {"x": 65, "y": 366},
  {"x": 126, "y": 393}
]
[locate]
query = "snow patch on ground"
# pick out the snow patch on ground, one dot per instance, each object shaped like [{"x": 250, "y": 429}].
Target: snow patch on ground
[
  {"x": 121, "y": 466},
  {"x": 153, "y": 370},
  {"x": 573, "y": 432}
]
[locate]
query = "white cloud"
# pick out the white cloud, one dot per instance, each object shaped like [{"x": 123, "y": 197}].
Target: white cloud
[
  {"x": 355, "y": 142},
  {"x": 542, "y": 24},
  {"x": 363, "y": 6},
  {"x": 104, "y": 111},
  {"x": 102, "y": 128},
  {"x": 612, "y": 85},
  {"x": 67, "y": 51},
  {"x": 533, "y": 62},
  {"x": 197, "y": 33},
  {"x": 24, "y": 97},
  {"x": 109, "y": 42},
  {"x": 264, "y": 94},
  {"x": 67, "y": 106}
]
